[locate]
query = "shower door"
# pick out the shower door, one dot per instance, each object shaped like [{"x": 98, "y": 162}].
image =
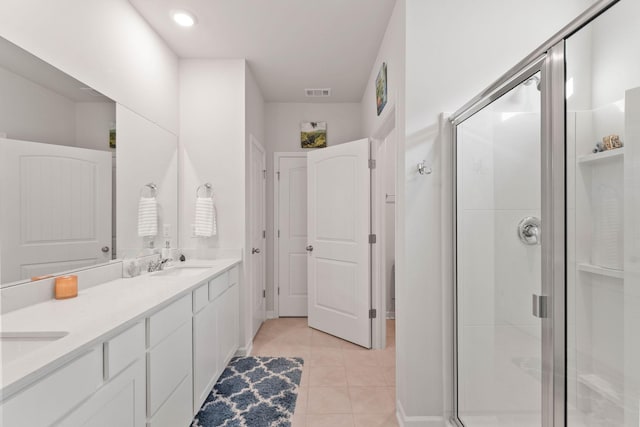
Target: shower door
[{"x": 506, "y": 188}]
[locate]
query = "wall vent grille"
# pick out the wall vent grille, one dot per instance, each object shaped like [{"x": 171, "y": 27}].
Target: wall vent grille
[{"x": 317, "y": 93}]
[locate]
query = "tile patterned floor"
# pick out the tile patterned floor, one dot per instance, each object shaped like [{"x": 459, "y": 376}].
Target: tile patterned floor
[{"x": 342, "y": 385}]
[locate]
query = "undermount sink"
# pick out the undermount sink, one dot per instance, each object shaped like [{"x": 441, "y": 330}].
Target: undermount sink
[
  {"x": 181, "y": 271},
  {"x": 14, "y": 345}
]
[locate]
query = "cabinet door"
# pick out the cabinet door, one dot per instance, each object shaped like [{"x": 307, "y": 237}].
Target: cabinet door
[
  {"x": 227, "y": 307},
  {"x": 120, "y": 402},
  {"x": 205, "y": 354}
]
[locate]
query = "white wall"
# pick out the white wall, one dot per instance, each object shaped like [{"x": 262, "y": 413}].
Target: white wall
[
  {"x": 110, "y": 47},
  {"x": 146, "y": 153},
  {"x": 212, "y": 134},
  {"x": 453, "y": 50},
  {"x": 30, "y": 112},
  {"x": 282, "y": 132},
  {"x": 104, "y": 44},
  {"x": 212, "y": 149},
  {"x": 93, "y": 122},
  {"x": 254, "y": 126}
]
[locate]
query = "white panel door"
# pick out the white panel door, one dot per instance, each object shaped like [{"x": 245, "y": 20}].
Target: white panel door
[
  {"x": 339, "y": 251},
  {"x": 292, "y": 240},
  {"x": 257, "y": 214},
  {"x": 56, "y": 208}
]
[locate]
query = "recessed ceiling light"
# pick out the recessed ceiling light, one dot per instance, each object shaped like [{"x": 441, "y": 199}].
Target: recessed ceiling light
[{"x": 183, "y": 18}]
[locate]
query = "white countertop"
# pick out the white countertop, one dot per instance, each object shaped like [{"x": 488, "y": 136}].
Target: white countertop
[{"x": 94, "y": 315}]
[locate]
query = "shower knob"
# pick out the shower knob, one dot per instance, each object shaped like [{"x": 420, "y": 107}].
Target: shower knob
[{"x": 529, "y": 230}]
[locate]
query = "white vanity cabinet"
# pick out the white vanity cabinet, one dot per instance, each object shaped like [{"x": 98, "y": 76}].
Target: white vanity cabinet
[
  {"x": 154, "y": 369},
  {"x": 169, "y": 378},
  {"x": 121, "y": 400},
  {"x": 102, "y": 387},
  {"x": 215, "y": 331}
]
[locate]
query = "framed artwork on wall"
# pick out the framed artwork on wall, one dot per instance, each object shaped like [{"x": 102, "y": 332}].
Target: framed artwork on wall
[
  {"x": 381, "y": 88},
  {"x": 313, "y": 134}
]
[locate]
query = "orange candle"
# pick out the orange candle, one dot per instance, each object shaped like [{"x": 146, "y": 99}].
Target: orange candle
[{"x": 66, "y": 286}]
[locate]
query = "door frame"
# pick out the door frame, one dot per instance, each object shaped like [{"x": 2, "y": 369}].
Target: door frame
[
  {"x": 276, "y": 212},
  {"x": 253, "y": 141},
  {"x": 378, "y": 267}
]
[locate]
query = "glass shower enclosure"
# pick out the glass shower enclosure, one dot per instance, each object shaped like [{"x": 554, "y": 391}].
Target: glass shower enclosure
[{"x": 547, "y": 233}]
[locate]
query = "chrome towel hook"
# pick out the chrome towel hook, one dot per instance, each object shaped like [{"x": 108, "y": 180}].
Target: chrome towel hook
[
  {"x": 208, "y": 189},
  {"x": 153, "y": 189},
  {"x": 423, "y": 169}
]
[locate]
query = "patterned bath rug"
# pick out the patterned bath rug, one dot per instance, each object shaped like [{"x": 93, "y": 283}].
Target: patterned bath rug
[{"x": 253, "y": 392}]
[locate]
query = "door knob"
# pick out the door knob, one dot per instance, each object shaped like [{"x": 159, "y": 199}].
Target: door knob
[
  {"x": 255, "y": 250},
  {"x": 309, "y": 248},
  {"x": 105, "y": 249}
]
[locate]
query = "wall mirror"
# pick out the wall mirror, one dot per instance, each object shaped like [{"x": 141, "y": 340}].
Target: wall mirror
[{"x": 57, "y": 155}]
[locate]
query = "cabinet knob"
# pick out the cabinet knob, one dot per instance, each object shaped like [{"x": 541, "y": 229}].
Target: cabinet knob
[{"x": 255, "y": 250}]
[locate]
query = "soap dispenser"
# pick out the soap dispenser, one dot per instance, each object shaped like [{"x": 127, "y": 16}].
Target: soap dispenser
[{"x": 166, "y": 247}]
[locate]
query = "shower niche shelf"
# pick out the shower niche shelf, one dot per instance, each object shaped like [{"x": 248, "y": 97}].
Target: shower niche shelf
[
  {"x": 604, "y": 155},
  {"x": 601, "y": 271}
]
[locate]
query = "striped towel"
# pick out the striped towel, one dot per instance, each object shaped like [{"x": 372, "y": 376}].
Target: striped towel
[
  {"x": 147, "y": 217},
  {"x": 205, "y": 222}
]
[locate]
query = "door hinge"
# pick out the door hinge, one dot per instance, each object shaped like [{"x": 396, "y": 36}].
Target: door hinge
[
  {"x": 372, "y": 163},
  {"x": 278, "y": 234},
  {"x": 278, "y": 290},
  {"x": 264, "y": 173},
  {"x": 540, "y": 306},
  {"x": 373, "y": 313},
  {"x": 264, "y": 293},
  {"x": 278, "y": 173},
  {"x": 372, "y": 238},
  {"x": 264, "y": 234}
]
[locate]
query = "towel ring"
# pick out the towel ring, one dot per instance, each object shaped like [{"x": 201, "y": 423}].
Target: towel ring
[
  {"x": 153, "y": 190},
  {"x": 208, "y": 190}
]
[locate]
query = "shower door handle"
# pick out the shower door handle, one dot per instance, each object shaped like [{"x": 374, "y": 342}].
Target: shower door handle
[{"x": 540, "y": 306}]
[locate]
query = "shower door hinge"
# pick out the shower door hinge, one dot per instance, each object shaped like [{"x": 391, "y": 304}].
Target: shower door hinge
[
  {"x": 264, "y": 293},
  {"x": 372, "y": 163},
  {"x": 278, "y": 234},
  {"x": 372, "y": 238},
  {"x": 278, "y": 290},
  {"x": 540, "y": 306},
  {"x": 264, "y": 234},
  {"x": 373, "y": 313},
  {"x": 278, "y": 173}
]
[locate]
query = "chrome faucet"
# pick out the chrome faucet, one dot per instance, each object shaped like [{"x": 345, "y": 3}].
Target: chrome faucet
[{"x": 157, "y": 265}]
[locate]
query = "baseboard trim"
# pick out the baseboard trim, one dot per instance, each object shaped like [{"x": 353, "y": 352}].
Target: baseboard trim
[
  {"x": 271, "y": 315},
  {"x": 245, "y": 351},
  {"x": 420, "y": 421}
]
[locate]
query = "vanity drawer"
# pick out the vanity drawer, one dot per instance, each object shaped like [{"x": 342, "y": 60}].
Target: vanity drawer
[
  {"x": 169, "y": 319},
  {"x": 200, "y": 298},
  {"x": 218, "y": 285},
  {"x": 233, "y": 275},
  {"x": 44, "y": 402},
  {"x": 168, "y": 364},
  {"x": 124, "y": 349}
]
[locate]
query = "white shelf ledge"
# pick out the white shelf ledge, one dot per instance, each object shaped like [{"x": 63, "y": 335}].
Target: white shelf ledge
[
  {"x": 602, "y": 271},
  {"x": 603, "y": 387},
  {"x": 594, "y": 157}
]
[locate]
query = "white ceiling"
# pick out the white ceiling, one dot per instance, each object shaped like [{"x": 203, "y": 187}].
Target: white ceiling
[{"x": 290, "y": 45}]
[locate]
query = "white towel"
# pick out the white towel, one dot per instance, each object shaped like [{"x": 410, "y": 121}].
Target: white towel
[
  {"x": 205, "y": 223},
  {"x": 147, "y": 217}
]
